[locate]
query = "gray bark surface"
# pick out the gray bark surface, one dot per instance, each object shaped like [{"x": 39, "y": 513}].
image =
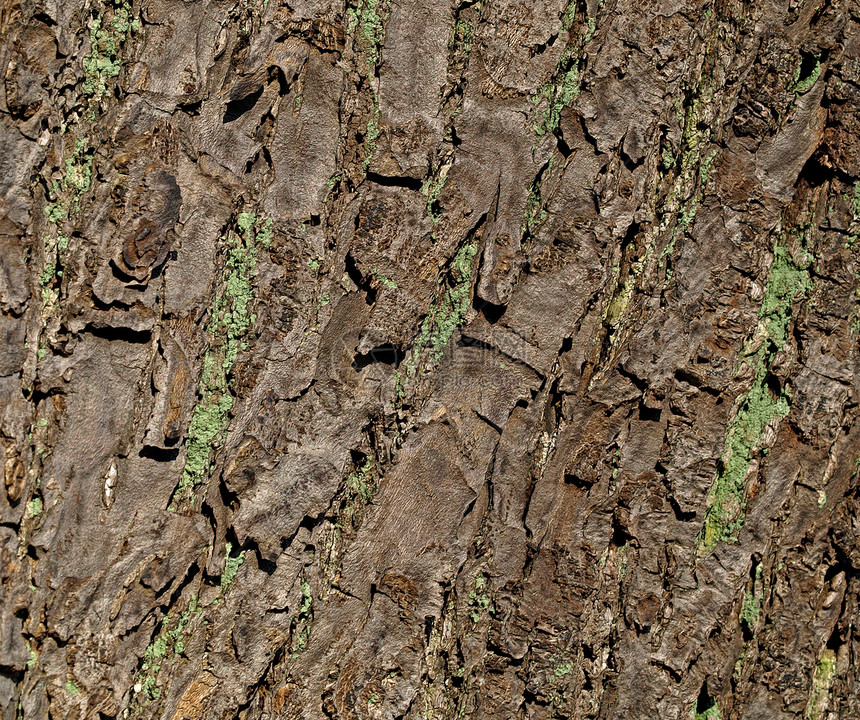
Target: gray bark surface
[{"x": 390, "y": 359}]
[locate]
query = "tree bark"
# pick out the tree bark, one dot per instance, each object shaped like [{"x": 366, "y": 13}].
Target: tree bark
[{"x": 430, "y": 360}]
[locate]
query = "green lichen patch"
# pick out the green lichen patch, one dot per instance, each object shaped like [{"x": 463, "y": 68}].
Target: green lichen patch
[
  {"x": 367, "y": 22},
  {"x": 170, "y": 642},
  {"x": 66, "y": 193},
  {"x": 357, "y": 491},
  {"x": 569, "y": 16},
  {"x": 77, "y": 178},
  {"x": 462, "y": 35},
  {"x": 751, "y": 607},
  {"x": 34, "y": 507},
  {"x": 822, "y": 679},
  {"x": 540, "y": 190},
  {"x": 563, "y": 668},
  {"x": 447, "y": 313},
  {"x": 726, "y": 503},
  {"x": 65, "y": 201},
  {"x": 384, "y": 280},
  {"x": 533, "y": 215},
  {"x": 711, "y": 713},
  {"x": 667, "y": 158},
  {"x": 690, "y": 207},
  {"x": 108, "y": 33},
  {"x": 432, "y": 188},
  {"x": 557, "y": 93},
  {"x": 563, "y": 85},
  {"x": 371, "y": 31},
  {"x": 230, "y": 322},
  {"x": 760, "y": 407},
  {"x": 787, "y": 279},
  {"x": 361, "y": 482},
  {"x": 804, "y": 77},
  {"x": 682, "y": 201},
  {"x": 853, "y": 202},
  {"x": 301, "y": 622},
  {"x": 686, "y": 170},
  {"x": 737, "y": 671},
  {"x": 480, "y": 600},
  {"x": 232, "y": 563}
]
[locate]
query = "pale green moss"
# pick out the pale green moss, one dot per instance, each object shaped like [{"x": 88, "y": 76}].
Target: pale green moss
[
  {"x": 302, "y": 620},
  {"x": 800, "y": 86},
  {"x": 368, "y": 18},
  {"x": 569, "y": 16},
  {"x": 66, "y": 196},
  {"x": 34, "y": 507},
  {"x": 230, "y": 322},
  {"x": 759, "y": 408},
  {"x": 432, "y": 188},
  {"x": 71, "y": 688},
  {"x": 359, "y": 487},
  {"x": 170, "y": 642},
  {"x": 822, "y": 679},
  {"x": 562, "y": 669},
  {"x": 480, "y": 601},
  {"x": 556, "y": 94},
  {"x": 712, "y": 713},
  {"x": 371, "y": 136},
  {"x": 106, "y": 40},
  {"x": 231, "y": 567},
  {"x": 751, "y": 609},
  {"x": 447, "y": 313},
  {"x": 384, "y": 280},
  {"x": 853, "y": 201},
  {"x": 462, "y": 37}
]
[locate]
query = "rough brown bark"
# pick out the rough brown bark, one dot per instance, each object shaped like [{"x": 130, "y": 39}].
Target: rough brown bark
[{"x": 427, "y": 360}]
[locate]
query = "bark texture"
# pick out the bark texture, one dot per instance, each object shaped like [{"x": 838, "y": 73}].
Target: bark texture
[{"x": 418, "y": 359}]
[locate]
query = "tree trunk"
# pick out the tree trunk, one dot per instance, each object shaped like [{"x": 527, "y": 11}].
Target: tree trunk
[{"x": 430, "y": 360}]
